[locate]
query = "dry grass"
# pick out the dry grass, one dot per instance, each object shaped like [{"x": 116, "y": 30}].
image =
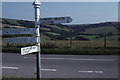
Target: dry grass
[
  {"x": 82, "y": 44},
  {"x": 78, "y": 47},
  {"x": 76, "y": 44}
]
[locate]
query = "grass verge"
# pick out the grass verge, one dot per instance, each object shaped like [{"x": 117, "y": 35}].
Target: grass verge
[
  {"x": 60, "y": 79},
  {"x": 81, "y": 51},
  {"x": 70, "y": 51}
]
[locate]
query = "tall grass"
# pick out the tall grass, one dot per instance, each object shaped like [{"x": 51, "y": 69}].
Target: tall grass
[
  {"x": 77, "y": 47},
  {"x": 81, "y": 44}
]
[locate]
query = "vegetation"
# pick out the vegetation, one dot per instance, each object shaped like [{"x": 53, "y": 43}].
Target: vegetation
[
  {"x": 69, "y": 39},
  {"x": 60, "y": 78},
  {"x": 77, "y": 47},
  {"x": 63, "y": 32}
]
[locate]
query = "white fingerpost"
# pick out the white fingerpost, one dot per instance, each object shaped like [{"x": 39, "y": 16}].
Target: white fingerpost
[{"x": 36, "y": 4}]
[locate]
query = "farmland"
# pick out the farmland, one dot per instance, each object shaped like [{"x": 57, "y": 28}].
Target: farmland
[{"x": 67, "y": 39}]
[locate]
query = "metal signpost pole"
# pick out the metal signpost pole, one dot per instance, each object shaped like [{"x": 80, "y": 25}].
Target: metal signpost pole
[{"x": 36, "y": 4}]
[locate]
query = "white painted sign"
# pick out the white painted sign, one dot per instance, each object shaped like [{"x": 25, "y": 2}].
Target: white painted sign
[
  {"x": 55, "y": 20},
  {"x": 20, "y": 40},
  {"x": 19, "y": 31},
  {"x": 30, "y": 49}
]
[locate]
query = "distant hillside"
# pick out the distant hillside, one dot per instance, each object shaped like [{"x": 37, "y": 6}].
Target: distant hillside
[
  {"x": 62, "y": 32},
  {"x": 53, "y": 32},
  {"x": 107, "y": 28},
  {"x": 14, "y": 22},
  {"x": 83, "y": 27}
]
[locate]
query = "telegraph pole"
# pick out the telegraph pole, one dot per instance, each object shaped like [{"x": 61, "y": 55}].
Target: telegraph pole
[
  {"x": 105, "y": 41},
  {"x": 36, "y": 4}
]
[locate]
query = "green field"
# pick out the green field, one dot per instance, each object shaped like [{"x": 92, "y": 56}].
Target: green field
[
  {"x": 53, "y": 33},
  {"x": 93, "y": 37},
  {"x": 104, "y": 29},
  {"x": 56, "y": 38},
  {"x": 57, "y": 27}
]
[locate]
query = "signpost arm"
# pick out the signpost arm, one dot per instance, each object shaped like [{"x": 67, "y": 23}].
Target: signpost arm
[{"x": 36, "y": 4}]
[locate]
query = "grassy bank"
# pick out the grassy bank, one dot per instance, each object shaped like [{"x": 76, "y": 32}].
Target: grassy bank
[
  {"x": 61, "y": 79},
  {"x": 81, "y": 51},
  {"x": 18, "y": 79},
  {"x": 75, "y": 48},
  {"x": 100, "y": 51}
]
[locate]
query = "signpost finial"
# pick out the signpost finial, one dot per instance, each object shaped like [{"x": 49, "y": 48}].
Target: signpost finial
[{"x": 36, "y": 3}]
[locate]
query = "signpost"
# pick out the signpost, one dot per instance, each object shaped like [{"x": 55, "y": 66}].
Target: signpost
[
  {"x": 55, "y": 20},
  {"x": 30, "y": 49},
  {"x": 20, "y": 40},
  {"x": 36, "y": 31},
  {"x": 19, "y": 31},
  {"x": 36, "y": 4}
]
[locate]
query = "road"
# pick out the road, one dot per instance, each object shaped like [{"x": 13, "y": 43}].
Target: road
[{"x": 61, "y": 66}]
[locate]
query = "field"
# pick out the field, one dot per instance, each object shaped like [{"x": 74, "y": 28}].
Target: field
[
  {"x": 56, "y": 38},
  {"x": 68, "y": 47},
  {"x": 76, "y": 44},
  {"x": 104, "y": 29},
  {"x": 82, "y": 44}
]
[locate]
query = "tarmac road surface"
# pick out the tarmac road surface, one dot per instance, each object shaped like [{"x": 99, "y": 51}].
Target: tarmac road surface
[{"x": 61, "y": 66}]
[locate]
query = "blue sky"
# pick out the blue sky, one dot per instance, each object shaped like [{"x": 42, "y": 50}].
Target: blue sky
[{"x": 81, "y": 12}]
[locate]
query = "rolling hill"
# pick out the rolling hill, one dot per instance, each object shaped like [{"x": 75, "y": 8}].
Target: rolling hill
[{"x": 63, "y": 32}]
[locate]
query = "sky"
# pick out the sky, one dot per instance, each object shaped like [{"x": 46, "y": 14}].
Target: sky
[{"x": 80, "y": 12}]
